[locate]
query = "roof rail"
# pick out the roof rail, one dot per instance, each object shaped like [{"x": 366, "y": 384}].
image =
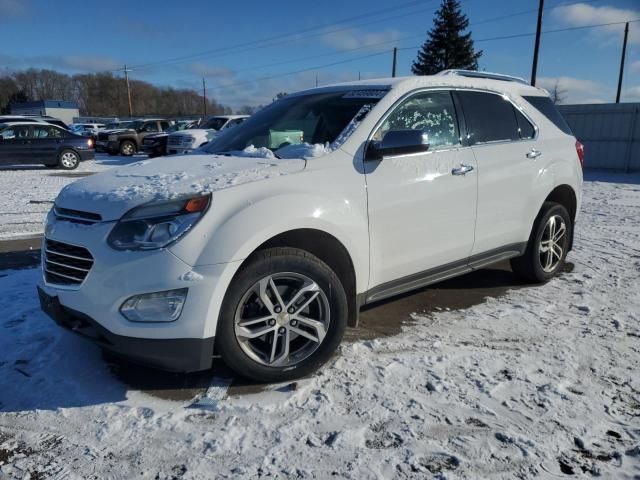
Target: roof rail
[{"x": 489, "y": 75}]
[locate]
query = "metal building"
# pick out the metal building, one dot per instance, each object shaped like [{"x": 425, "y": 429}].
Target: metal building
[
  {"x": 61, "y": 109},
  {"x": 610, "y": 133}
]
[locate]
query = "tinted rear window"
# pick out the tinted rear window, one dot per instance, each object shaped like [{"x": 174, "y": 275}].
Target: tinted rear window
[
  {"x": 545, "y": 106},
  {"x": 490, "y": 117}
]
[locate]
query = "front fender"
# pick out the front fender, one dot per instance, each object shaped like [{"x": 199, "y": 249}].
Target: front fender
[{"x": 233, "y": 237}]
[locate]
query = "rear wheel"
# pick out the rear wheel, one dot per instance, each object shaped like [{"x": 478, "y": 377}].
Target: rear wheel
[
  {"x": 548, "y": 245},
  {"x": 127, "y": 148},
  {"x": 282, "y": 317},
  {"x": 68, "y": 160}
]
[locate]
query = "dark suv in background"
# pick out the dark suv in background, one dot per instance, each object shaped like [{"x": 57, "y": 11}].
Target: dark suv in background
[{"x": 128, "y": 141}]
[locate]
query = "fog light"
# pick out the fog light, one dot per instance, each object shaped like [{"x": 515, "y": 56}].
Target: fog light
[{"x": 155, "y": 307}]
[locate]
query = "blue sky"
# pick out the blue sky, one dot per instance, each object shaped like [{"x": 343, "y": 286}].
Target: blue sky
[{"x": 152, "y": 37}]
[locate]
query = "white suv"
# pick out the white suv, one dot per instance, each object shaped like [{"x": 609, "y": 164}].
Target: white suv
[
  {"x": 263, "y": 248},
  {"x": 186, "y": 141}
]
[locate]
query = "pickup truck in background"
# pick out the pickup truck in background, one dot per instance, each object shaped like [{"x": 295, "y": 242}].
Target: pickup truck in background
[{"x": 128, "y": 141}]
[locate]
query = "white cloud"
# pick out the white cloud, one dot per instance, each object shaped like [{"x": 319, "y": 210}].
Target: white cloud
[
  {"x": 65, "y": 63},
  {"x": 578, "y": 90},
  {"x": 631, "y": 94},
  {"x": 582, "y": 14},
  {"x": 354, "y": 38}
]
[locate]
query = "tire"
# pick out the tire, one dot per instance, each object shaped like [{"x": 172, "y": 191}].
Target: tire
[
  {"x": 127, "y": 148},
  {"x": 68, "y": 160},
  {"x": 543, "y": 260},
  {"x": 301, "y": 279}
]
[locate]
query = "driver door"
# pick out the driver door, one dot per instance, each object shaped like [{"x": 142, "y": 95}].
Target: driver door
[{"x": 422, "y": 209}]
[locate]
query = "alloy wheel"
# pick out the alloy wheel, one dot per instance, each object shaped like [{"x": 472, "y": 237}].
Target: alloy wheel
[
  {"x": 69, "y": 159},
  {"x": 552, "y": 243},
  {"x": 282, "y": 319},
  {"x": 127, "y": 149}
]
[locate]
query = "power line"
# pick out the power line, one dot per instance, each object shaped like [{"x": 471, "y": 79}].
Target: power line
[
  {"x": 361, "y": 57},
  {"x": 285, "y": 38}
]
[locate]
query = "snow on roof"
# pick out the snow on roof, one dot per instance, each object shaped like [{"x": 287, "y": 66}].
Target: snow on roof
[{"x": 406, "y": 84}]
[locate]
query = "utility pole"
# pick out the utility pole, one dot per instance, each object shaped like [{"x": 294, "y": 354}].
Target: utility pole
[
  {"x": 358, "y": 74},
  {"x": 204, "y": 96},
  {"x": 624, "y": 54},
  {"x": 395, "y": 57},
  {"x": 126, "y": 77},
  {"x": 316, "y": 79},
  {"x": 536, "y": 48}
]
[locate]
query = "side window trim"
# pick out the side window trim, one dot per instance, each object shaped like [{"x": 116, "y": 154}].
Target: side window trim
[
  {"x": 467, "y": 135},
  {"x": 407, "y": 96}
]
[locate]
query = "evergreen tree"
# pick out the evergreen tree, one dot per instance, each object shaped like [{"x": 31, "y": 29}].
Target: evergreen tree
[{"x": 447, "y": 46}]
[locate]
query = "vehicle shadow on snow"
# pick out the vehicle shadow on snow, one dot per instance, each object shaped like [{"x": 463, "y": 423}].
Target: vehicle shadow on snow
[{"x": 61, "y": 370}]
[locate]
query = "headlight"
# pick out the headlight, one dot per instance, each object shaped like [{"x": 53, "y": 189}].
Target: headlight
[
  {"x": 188, "y": 140},
  {"x": 157, "y": 225}
]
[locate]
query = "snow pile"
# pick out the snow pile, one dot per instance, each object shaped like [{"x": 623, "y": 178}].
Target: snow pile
[
  {"x": 304, "y": 150},
  {"x": 540, "y": 382},
  {"x": 27, "y": 193},
  {"x": 253, "y": 152}
]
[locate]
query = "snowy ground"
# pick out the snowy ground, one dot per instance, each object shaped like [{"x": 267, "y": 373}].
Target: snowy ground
[
  {"x": 542, "y": 381},
  {"x": 27, "y": 192}
]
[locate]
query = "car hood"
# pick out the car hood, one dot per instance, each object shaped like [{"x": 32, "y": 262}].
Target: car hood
[
  {"x": 112, "y": 193},
  {"x": 193, "y": 132},
  {"x": 118, "y": 131}
]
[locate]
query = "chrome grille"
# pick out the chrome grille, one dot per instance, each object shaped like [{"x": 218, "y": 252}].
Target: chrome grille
[
  {"x": 174, "y": 140},
  {"x": 66, "y": 264},
  {"x": 76, "y": 216}
]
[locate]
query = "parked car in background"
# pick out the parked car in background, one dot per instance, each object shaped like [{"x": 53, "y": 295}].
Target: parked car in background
[
  {"x": 155, "y": 145},
  {"x": 321, "y": 202},
  {"x": 86, "y": 128},
  {"x": 24, "y": 143},
  {"x": 188, "y": 140},
  {"x": 128, "y": 140},
  {"x": 33, "y": 118}
]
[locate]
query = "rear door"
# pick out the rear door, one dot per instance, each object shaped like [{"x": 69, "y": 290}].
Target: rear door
[
  {"x": 45, "y": 143},
  {"x": 15, "y": 146},
  {"x": 502, "y": 140},
  {"x": 421, "y": 208}
]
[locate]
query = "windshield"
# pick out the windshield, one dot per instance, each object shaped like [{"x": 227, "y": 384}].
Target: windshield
[
  {"x": 135, "y": 125},
  {"x": 312, "y": 119},
  {"x": 215, "y": 123}
]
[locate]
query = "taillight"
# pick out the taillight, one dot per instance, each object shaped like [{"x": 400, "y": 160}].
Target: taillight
[
  {"x": 90, "y": 143},
  {"x": 580, "y": 152}
]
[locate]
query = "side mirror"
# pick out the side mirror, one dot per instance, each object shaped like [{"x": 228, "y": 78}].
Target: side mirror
[{"x": 398, "y": 142}]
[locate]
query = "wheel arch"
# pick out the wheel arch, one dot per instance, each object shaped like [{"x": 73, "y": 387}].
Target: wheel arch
[
  {"x": 328, "y": 249},
  {"x": 566, "y": 196}
]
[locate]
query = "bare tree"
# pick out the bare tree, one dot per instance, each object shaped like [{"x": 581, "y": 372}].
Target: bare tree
[{"x": 558, "y": 95}]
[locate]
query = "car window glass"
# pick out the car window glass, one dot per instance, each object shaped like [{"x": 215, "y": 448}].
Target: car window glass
[
  {"x": 545, "y": 106},
  {"x": 164, "y": 125},
  {"x": 8, "y": 133},
  {"x": 46, "y": 132},
  {"x": 525, "y": 129},
  {"x": 489, "y": 117},
  {"x": 431, "y": 112},
  {"x": 151, "y": 127},
  {"x": 21, "y": 132}
]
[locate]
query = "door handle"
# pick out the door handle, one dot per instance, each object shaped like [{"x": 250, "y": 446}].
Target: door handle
[
  {"x": 462, "y": 169},
  {"x": 533, "y": 153}
]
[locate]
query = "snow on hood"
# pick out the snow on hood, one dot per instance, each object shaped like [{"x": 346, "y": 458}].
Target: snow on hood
[{"x": 114, "y": 192}]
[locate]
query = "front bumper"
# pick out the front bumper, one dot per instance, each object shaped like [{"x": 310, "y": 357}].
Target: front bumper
[
  {"x": 174, "y": 150},
  {"x": 89, "y": 154},
  {"x": 107, "y": 146},
  {"x": 178, "y": 354},
  {"x": 116, "y": 276}
]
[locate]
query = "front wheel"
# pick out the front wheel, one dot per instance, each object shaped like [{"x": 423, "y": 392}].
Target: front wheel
[
  {"x": 283, "y": 316},
  {"x": 548, "y": 245},
  {"x": 68, "y": 160},
  {"x": 127, "y": 148}
]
